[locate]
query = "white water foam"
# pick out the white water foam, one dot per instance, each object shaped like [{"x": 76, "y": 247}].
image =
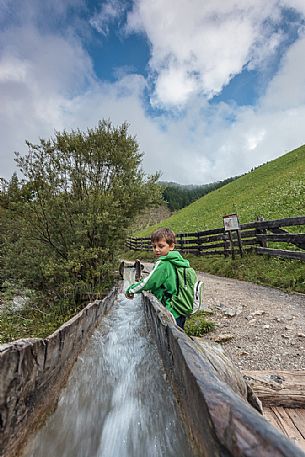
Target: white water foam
[{"x": 116, "y": 402}]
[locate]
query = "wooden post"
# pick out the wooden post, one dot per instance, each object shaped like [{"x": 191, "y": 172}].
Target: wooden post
[
  {"x": 181, "y": 242},
  {"x": 198, "y": 243},
  {"x": 226, "y": 245},
  {"x": 261, "y": 242},
  {"x": 239, "y": 242},
  {"x": 231, "y": 244},
  {"x": 137, "y": 266}
]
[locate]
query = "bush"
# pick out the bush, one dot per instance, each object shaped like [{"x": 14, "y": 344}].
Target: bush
[{"x": 64, "y": 223}]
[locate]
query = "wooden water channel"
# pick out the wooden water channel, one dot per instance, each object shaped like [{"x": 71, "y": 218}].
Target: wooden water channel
[{"x": 220, "y": 411}]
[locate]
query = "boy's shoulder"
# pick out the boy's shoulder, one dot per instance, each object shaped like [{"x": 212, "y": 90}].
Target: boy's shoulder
[{"x": 162, "y": 264}]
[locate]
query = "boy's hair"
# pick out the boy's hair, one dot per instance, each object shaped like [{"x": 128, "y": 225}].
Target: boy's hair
[{"x": 163, "y": 234}]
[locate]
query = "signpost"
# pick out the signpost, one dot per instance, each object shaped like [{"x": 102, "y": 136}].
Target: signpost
[{"x": 231, "y": 224}]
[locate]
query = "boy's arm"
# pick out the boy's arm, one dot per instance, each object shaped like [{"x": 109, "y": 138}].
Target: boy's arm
[{"x": 154, "y": 280}]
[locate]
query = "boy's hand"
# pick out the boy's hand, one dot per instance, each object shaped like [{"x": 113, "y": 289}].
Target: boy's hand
[{"x": 129, "y": 295}]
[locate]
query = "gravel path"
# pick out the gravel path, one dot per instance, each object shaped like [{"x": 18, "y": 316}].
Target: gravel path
[{"x": 260, "y": 328}]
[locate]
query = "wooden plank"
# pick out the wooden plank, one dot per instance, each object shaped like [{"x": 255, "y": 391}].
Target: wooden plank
[
  {"x": 252, "y": 242},
  {"x": 286, "y": 222},
  {"x": 280, "y": 418},
  {"x": 203, "y": 253},
  {"x": 203, "y": 232},
  {"x": 200, "y": 247},
  {"x": 210, "y": 246},
  {"x": 297, "y": 255},
  {"x": 284, "y": 422},
  {"x": 248, "y": 233},
  {"x": 279, "y": 231},
  {"x": 284, "y": 237},
  {"x": 278, "y": 387},
  {"x": 211, "y": 238},
  {"x": 298, "y": 418},
  {"x": 199, "y": 241}
]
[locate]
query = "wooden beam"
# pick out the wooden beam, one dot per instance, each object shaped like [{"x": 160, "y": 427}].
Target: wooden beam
[
  {"x": 297, "y": 255},
  {"x": 293, "y": 238},
  {"x": 286, "y": 222},
  {"x": 278, "y": 388}
]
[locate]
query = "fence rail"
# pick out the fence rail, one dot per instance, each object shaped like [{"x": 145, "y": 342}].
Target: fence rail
[{"x": 253, "y": 236}]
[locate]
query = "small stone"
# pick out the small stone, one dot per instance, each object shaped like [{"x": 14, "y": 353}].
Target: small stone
[
  {"x": 266, "y": 326},
  {"x": 18, "y": 302},
  {"x": 301, "y": 335},
  {"x": 259, "y": 312},
  {"x": 207, "y": 310},
  {"x": 223, "y": 337},
  {"x": 244, "y": 353},
  {"x": 230, "y": 312},
  {"x": 288, "y": 327},
  {"x": 239, "y": 309}
]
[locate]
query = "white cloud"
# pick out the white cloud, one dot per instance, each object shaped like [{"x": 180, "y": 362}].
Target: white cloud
[
  {"x": 174, "y": 87},
  {"x": 110, "y": 11},
  {"x": 38, "y": 74},
  {"x": 207, "y": 42},
  {"x": 298, "y": 5},
  {"x": 287, "y": 90},
  {"x": 47, "y": 83}
]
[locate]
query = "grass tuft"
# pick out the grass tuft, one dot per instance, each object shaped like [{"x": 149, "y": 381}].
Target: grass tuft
[{"x": 198, "y": 325}]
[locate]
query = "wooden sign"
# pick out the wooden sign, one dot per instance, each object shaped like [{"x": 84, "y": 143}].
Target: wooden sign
[{"x": 231, "y": 222}]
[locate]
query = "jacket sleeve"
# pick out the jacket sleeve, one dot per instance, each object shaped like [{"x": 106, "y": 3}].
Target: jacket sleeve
[{"x": 153, "y": 281}]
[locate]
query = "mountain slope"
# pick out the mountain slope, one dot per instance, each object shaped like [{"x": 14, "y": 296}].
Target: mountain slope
[{"x": 273, "y": 190}]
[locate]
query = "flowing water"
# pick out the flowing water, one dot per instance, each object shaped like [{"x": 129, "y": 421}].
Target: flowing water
[{"x": 116, "y": 402}]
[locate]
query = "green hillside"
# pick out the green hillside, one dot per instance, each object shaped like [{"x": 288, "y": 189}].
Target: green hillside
[{"x": 273, "y": 190}]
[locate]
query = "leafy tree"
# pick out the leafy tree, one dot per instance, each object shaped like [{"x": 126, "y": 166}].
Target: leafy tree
[{"x": 80, "y": 193}]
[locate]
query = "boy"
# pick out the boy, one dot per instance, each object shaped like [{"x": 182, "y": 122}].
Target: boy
[{"x": 162, "y": 281}]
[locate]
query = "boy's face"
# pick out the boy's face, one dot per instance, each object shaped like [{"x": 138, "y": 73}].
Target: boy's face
[{"x": 161, "y": 247}]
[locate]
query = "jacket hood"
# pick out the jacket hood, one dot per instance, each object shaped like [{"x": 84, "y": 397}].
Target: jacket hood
[{"x": 175, "y": 258}]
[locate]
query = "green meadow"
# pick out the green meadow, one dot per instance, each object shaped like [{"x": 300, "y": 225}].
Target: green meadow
[{"x": 273, "y": 190}]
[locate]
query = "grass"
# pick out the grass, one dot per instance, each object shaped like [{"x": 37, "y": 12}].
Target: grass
[
  {"x": 197, "y": 324},
  {"x": 32, "y": 322},
  {"x": 38, "y": 317}
]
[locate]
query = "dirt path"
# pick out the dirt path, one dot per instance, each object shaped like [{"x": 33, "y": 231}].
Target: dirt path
[{"x": 259, "y": 327}]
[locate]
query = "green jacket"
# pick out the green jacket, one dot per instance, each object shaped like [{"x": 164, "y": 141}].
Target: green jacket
[{"x": 162, "y": 281}]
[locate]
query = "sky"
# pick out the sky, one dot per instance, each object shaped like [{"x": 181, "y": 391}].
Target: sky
[{"x": 210, "y": 88}]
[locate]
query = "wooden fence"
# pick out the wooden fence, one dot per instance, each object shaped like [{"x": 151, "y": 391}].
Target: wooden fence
[{"x": 254, "y": 236}]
